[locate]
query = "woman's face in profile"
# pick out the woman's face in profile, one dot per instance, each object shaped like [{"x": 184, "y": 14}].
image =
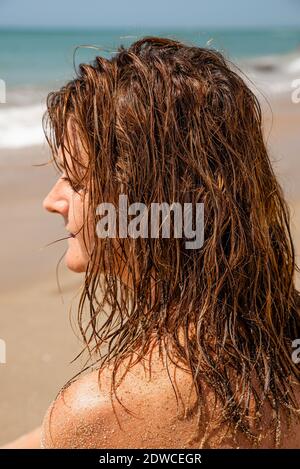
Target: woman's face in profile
[{"x": 65, "y": 201}]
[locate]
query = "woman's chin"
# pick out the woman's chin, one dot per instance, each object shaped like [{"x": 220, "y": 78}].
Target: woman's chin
[{"x": 75, "y": 262}]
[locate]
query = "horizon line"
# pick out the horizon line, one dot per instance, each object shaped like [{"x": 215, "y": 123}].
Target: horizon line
[{"x": 138, "y": 27}]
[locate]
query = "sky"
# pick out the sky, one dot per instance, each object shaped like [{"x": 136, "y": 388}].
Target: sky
[{"x": 139, "y": 13}]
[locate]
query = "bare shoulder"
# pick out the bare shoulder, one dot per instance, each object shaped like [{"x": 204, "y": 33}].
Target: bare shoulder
[
  {"x": 84, "y": 416},
  {"x": 149, "y": 414},
  {"x": 77, "y": 416}
]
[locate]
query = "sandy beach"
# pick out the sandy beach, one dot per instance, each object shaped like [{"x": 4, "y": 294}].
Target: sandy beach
[{"x": 34, "y": 321}]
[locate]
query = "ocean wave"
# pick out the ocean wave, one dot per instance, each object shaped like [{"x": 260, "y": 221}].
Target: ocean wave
[
  {"x": 21, "y": 126},
  {"x": 273, "y": 75}
]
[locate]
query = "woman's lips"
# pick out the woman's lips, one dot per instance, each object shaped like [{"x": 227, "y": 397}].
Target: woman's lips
[{"x": 71, "y": 235}]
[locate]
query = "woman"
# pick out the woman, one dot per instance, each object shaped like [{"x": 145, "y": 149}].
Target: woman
[{"x": 190, "y": 347}]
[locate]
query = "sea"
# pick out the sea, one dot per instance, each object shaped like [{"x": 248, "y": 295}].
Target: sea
[{"x": 34, "y": 62}]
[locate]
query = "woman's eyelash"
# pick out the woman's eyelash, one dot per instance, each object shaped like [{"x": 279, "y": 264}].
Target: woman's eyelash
[{"x": 73, "y": 185}]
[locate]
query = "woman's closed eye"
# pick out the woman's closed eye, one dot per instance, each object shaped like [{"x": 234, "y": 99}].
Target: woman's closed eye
[{"x": 76, "y": 186}]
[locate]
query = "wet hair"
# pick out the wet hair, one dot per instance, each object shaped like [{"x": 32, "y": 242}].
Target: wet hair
[{"x": 163, "y": 121}]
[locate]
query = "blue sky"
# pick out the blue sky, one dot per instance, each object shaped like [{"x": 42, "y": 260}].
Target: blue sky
[{"x": 171, "y": 13}]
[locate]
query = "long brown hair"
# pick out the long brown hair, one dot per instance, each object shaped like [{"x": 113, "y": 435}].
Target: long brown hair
[{"x": 162, "y": 121}]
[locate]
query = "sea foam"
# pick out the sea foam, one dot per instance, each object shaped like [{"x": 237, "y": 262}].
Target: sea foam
[{"x": 21, "y": 126}]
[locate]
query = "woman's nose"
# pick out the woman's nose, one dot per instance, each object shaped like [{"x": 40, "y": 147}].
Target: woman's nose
[{"x": 55, "y": 204}]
